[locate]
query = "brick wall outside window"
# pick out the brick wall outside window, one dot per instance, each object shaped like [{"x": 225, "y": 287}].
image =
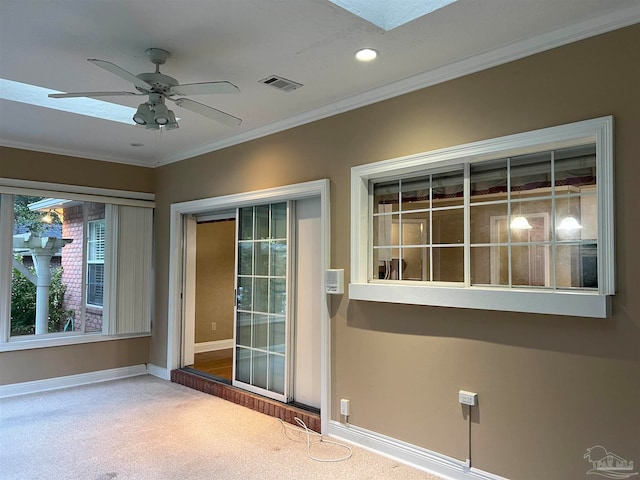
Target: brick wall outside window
[{"x": 72, "y": 265}]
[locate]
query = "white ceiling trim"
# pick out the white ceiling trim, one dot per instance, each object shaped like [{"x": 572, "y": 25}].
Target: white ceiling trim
[{"x": 516, "y": 51}]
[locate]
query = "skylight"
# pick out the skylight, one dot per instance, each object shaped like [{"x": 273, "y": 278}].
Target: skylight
[
  {"x": 389, "y": 14},
  {"x": 25, "y": 93}
]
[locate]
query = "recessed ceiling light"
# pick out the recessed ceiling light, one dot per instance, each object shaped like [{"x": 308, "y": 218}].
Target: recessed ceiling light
[
  {"x": 31, "y": 94},
  {"x": 366, "y": 54}
]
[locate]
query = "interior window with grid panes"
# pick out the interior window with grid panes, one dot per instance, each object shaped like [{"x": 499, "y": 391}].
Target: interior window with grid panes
[
  {"x": 523, "y": 221},
  {"x": 418, "y": 228}
]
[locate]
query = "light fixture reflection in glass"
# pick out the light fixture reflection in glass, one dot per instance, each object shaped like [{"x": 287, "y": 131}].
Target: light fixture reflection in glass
[
  {"x": 520, "y": 223},
  {"x": 569, "y": 222}
]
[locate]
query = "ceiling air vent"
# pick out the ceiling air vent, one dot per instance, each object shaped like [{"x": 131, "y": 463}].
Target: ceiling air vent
[{"x": 281, "y": 83}]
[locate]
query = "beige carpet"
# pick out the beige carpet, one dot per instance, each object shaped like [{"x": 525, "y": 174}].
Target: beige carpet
[{"x": 146, "y": 428}]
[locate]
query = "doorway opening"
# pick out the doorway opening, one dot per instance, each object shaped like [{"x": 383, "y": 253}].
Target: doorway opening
[
  {"x": 261, "y": 353},
  {"x": 214, "y": 291}
]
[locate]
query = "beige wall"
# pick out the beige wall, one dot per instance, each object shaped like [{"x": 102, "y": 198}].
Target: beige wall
[
  {"x": 215, "y": 261},
  {"x": 46, "y": 167},
  {"x": 52, "y": 362},
  {"x": 38, "y": 364},
  {"x": 549, "y": 387}
]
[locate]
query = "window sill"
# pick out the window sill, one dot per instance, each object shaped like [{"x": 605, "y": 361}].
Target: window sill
[
  {"x": 579, "y": 304},
  {"x": 30, "y": 343}
]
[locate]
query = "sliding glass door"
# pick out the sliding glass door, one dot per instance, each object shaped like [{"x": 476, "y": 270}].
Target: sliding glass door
[{"x": 261, "y": 353}]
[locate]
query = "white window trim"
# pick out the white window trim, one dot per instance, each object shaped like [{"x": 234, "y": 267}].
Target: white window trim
[
  {"x": 6, "y": 256},
  {"x": 62, "y": 339},
  {"x": 76, "y": 192},
  {"x": 56, "y": 190},
  {"x": 574, "y": 303},
  {"x": 95, "y": 262}
]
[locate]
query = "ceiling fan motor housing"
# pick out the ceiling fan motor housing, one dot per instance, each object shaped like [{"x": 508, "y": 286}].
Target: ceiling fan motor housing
[{"x": 159, "y": 82}]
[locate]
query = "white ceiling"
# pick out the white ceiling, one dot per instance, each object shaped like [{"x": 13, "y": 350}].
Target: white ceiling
[{"x": 47, "y": 42}]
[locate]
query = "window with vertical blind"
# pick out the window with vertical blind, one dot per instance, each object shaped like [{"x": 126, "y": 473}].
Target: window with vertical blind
[
  {"x": 519, "y": 223},
  {"x": 75, "y": 264}
]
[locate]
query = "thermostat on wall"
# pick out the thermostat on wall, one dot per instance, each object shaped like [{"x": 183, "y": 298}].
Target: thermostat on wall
[{"x": 334, "y": 280}]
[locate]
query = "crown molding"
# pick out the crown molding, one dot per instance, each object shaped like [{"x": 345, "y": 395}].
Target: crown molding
[{"x": 563, "y": 36}]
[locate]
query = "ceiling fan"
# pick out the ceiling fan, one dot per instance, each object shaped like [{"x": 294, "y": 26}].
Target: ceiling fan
[{"x": 154, "y": 114}]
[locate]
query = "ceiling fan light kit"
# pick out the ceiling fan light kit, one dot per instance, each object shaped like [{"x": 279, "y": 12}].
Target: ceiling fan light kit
[
  {"x": 142, "y": 116},
  {"x": 154, "y": 114},
  {"x": 162, "y": 118},
  {"x": 171, "y": 124}
]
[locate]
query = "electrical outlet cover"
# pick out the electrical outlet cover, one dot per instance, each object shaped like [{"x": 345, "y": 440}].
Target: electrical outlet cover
[
  {"x": 468, "y": 398},
  {"x": 344, "y": 407}
]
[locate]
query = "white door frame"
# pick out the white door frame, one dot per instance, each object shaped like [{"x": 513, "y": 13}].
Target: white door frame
[
  {"x": 189, "y": 282},
  {"x": 211, "y": 205}
]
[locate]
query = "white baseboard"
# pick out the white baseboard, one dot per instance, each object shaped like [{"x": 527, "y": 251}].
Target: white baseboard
[
  {"x": 160, "y": 372},
  {"x": 47, "y": 384},
  {"x": 432, "y": 462},
  {"x": 213, "y": 346}
]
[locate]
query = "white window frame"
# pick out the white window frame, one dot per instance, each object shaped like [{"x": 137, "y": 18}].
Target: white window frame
[
  {"x": 90, "y": 261},
  {"x": 115, "y": 325},
  {"x": 574, "y": 303}
]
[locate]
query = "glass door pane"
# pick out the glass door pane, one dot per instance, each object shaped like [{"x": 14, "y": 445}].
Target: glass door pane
[{"x": 261, "y": 353}]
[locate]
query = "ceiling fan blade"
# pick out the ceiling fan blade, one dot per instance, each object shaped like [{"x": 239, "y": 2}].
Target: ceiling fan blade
[
  {"x": 91, "y": 94},
  {"x": 205, "y": 88},
  {"x": 116, "y": 70},
  {"x": 209, "y": 112}
]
